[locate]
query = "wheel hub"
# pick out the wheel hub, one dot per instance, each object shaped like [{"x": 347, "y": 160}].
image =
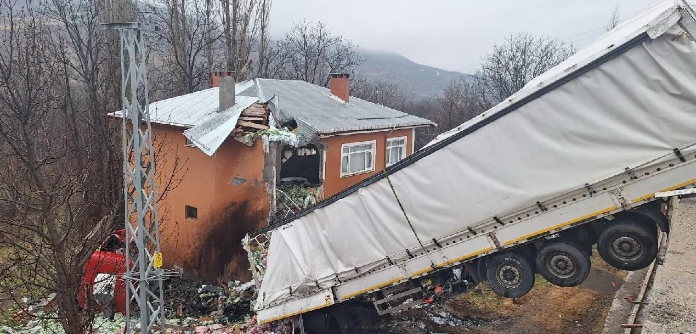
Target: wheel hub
[
  {"x": 509, "y": 276},
  {"x": 626, "y": 248},
  {"x": 561, "y": 265}
]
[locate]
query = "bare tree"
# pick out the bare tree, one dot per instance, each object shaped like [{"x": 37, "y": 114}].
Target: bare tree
[
  {"x": 615, "y": 19},
  {"x": 521, "y": 58},
  {"x": 61, "y": 182},
  {"x": 92, "y": 73},
  {"x": 264, "y": 12},
  {"x": 381, "y": 92},
  {"x": 189, "y": 30},
  {"x": 461, "y": 102},
  {"x": 53, "y": 175},
  {"x": 310, "y": 52},
  {"x": 209, "y": 10},
  {"x": 427, "y": 108},
  {"x": 242, "y": 21}
]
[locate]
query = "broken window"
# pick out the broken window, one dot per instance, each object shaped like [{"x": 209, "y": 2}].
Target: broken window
[
  {"x": 357, "y": 158},
  {"x": 191, "y": 213},
  {"x": 396, "y": 150},
  {"x": 300, "y": 165}
]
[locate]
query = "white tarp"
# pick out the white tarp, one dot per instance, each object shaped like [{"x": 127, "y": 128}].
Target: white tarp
[{"x": 626, "y": 112}]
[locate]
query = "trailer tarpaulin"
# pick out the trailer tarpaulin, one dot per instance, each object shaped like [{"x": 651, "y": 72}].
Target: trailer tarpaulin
[{"x": 625, "y": 101}]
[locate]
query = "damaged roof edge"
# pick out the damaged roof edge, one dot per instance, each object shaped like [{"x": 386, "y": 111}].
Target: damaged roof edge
[
  {"x": 209, "y": 135},
  {"x": 374, "y": 129}
]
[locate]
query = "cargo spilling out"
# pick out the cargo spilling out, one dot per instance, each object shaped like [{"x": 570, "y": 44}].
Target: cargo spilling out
[{"x": 571, "y": 161}]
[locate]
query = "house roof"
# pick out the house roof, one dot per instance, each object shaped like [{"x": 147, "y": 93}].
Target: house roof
[
  {"x": 195, "y": 108},
  {"x": 315, "y": 110},
  {"x": 325, "y": 113}
]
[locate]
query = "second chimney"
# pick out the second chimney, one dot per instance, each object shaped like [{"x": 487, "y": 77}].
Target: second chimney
[
  {"x": 340, "y": 85},
  {"x": 225, "y": 82}
]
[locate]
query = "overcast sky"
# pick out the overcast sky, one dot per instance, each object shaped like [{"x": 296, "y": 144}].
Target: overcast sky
[{"x": 451, "y": 34}]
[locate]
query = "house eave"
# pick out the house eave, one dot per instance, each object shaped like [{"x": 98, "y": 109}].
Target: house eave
[{"x": 345, "y": 132}]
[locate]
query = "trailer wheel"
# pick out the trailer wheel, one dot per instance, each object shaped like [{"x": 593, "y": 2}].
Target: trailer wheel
[
  {"x": 510, "y": 274},
  {"x": 564, "y": 263},
  {"x": 628, "y": 245}
]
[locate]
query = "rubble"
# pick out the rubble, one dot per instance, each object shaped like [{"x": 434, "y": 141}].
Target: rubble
[{"x": 225, "y": 303}]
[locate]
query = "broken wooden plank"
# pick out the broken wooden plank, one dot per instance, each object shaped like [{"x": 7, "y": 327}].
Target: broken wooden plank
[
  {"x": 631, "y": 325},
  {"x": 256, "y": 108},
  {"x": 251, "y": 118},
  {"x": 252, "y": 125},
  {"x": 253, "y": 113}
]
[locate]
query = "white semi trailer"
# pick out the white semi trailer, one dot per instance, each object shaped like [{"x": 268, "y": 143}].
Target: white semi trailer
[{"x": 529, "y": 186}]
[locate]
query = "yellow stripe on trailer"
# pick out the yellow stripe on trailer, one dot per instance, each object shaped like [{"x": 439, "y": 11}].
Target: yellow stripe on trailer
[
  {"x": 459, "y": 259},
  {"x": 684, "y": 184},
  {"x": 381, "y": 285},
  {"x": 591, "y": 215},
  {"x": 295, "y": 313}
]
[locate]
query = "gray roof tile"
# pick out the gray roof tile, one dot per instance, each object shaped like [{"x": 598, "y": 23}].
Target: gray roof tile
[{"x": 325, "y": 113}]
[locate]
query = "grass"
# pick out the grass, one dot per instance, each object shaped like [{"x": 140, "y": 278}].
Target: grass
[
  {"x": 599, "y": 263},
  {"x": 485, "y": 299}
]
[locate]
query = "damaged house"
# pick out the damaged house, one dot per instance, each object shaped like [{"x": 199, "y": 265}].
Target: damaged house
[{"x": 236, "y": 156}]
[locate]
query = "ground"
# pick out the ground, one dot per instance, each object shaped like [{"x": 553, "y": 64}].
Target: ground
[
  {"x": 670, "y": 302},
  {"x": 546, "y": 309}
]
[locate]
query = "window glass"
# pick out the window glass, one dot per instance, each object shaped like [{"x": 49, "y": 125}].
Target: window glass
[
  {"x": 191, "y": 213},
  {"x": 396, "y": 150},
  {"x": 357, "y": 158}
]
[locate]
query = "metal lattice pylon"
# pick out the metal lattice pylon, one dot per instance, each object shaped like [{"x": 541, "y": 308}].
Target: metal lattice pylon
[{"x": 143, "y": 258}]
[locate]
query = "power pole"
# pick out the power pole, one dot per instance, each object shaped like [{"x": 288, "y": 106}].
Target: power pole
[{"x": 143, "y": 273}]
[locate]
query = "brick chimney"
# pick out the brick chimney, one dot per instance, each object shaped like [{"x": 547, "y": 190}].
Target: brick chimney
[
  {"x": 225, "y": 81},
  {"x": 340, "y": 85}
]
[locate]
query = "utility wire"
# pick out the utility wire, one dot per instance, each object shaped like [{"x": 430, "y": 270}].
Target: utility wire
[{"x": 584, "y": 33}]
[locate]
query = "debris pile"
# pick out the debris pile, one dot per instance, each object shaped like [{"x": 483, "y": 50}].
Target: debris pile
[
  {"x": 191, "y": 306},
  {"x": 292, "y": 198},
  {"x": 259, "y": 254},
  {"x": 225, "y": 303},
  {"x": 268, "y": 135}
]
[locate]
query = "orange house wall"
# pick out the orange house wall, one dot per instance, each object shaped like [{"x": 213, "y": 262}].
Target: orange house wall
[
  {"x": 227, "y": 210},
  {"x": 333, "y": 182}
]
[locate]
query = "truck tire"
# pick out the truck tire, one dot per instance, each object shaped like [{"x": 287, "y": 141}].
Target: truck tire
[
  {"x": 510, "y": 274},
  {"x": 628, "y": 245},
  {"x": 564, "y": 263}
]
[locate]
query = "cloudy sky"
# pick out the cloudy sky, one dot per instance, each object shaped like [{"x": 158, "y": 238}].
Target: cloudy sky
[{"x": 451, "y": 34}]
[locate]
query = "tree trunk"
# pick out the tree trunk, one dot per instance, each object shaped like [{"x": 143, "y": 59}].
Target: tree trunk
[
  {"x": 262, "y": 43},
  {"x": 208, "y": 38},
  {"x": 228, "y": 35},
  {"x": 234, "y": 55}
]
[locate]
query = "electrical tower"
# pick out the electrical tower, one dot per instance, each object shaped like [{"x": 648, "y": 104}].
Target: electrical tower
[{"x": 143, "y": 258}]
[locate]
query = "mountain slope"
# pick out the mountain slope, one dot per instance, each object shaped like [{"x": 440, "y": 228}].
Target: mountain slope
[{"x": 416, "y": 79}]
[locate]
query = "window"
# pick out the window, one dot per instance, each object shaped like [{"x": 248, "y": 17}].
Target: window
[
  {"x": 357, "y": 158},
  {"x": 191, "y": 213},
  {"x": 396, "y": 150},
  {"x": 189, "y": 143}
]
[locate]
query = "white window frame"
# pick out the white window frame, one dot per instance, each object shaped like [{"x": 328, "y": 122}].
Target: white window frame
[
  {"x": 373, "y": 151},
  {"x": 403, "y": 149}
]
